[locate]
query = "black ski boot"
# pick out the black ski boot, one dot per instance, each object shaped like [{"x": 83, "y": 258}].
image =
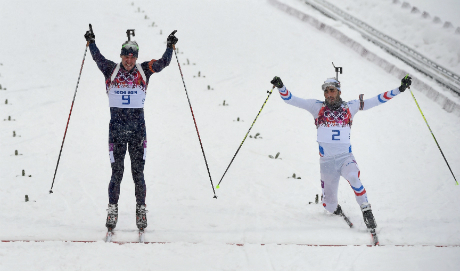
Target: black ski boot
[
  {"x": 368, "y": 216},
  {"x": 338, "y": 211},
  {"x": 112, "y": 216},
  {"x": 141, "y": 217}
]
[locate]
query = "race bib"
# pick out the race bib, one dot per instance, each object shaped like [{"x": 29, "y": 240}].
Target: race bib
[
  {"x": 127, "y": 89},
  {"x": 334, "y": 134},
  {"x": 126, "y": 98}
]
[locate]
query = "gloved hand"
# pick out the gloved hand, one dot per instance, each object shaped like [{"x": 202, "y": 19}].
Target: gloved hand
[
  {"x": 405, "y": 83},
  {"x": 277, "y": 82},
  {"x": 89, "y": 36},
  {"x": 172, "y": 40}
]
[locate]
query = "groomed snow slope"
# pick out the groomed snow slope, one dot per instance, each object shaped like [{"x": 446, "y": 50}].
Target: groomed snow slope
[{"x": 237, "y": 47}]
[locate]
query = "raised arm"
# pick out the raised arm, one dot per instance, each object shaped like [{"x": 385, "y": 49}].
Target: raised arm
[
  {"x": 154, "y": 66},
  {"x": 381, "y": 98},
  {"x": 106, "y": 66},
  {"x": 311, "y": 105}
]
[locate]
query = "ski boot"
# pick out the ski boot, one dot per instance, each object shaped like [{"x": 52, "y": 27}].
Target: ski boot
[
  {"x": 112, "y": 216},
  {"x": 141, "y": 217},
  {"x": 338, "y": 211},
  {"x": 368, "y": 216},
  {"x": 370, "y": 222}
]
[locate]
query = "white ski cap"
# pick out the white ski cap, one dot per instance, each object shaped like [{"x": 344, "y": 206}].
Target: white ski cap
[{"x": 331, "y": 82}]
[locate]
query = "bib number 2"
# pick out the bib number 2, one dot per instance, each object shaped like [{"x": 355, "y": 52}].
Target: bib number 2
[
  {"x": 126, "y": 98},
  {"x": 335, "y": 133}
]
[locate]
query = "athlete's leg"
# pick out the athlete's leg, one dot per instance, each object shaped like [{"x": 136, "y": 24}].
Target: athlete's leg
[
  {"x": 117, "y": 153},
  {"x": 330, "y": 177},
  {"x": 137, "y": 149},
  {"x": 350, "y": 172}
]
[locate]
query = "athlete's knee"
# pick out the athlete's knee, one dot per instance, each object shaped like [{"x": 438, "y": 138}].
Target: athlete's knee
[{"x": 354, "y": 181}]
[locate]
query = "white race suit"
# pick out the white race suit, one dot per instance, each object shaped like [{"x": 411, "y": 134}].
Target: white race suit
[{"x": 333, "y": 137}]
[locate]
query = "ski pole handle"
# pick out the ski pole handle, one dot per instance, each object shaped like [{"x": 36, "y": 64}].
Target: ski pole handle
[
  {"x": 92, "y": 33},
  {"x": 406, "y": 78}
]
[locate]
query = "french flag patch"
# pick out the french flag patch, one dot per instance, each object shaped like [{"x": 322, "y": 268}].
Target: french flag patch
[
  {"x": 285, "y": 94},
  {"x": 385, "y": 97},
  {"x": 359, "y": 191}
]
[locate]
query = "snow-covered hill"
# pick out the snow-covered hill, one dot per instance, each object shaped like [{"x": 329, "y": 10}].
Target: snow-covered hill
[
  {"x": 430, "y": 27},
  {"x": 229, "y": 51}
]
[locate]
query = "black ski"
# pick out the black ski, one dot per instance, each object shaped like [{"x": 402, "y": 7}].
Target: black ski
[
  {"x": 339, "y": 212},
  {"x": 347, "y": 220},
  {"x": 375, "y": 238}
]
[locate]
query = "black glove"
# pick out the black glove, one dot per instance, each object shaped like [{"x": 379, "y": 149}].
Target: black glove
[
  {"x": 277, "y": 82},
  {"x": 172, "y": 40},
  {"x": 405, "y": 83},
  {"x": 89, "y": 36}
]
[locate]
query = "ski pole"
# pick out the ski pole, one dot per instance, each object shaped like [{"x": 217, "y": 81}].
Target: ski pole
[
  {"x": 194, "y": 121},
  {"x": 269, "y": 93},
  {"x": 71, "y": 107},
  {"x": 432, "y": 134}
]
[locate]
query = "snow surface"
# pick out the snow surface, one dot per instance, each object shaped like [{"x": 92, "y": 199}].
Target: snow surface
[{"x": 237, "y": 46}]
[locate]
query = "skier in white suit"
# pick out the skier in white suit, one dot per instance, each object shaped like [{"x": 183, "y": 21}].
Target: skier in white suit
[{"x": 333, "y": 120}]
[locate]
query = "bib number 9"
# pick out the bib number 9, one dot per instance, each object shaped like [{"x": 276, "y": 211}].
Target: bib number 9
[
  {"x": 335, "y": 133},
  {"x": 126, "y": 98}
]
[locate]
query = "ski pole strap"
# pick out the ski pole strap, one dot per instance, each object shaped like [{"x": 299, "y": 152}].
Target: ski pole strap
[{"x": 361, "y": 101}]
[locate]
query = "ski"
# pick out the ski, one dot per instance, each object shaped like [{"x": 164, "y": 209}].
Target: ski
[
  {"x": 108, "y": 238},
  {"x": 109, "y": 235},
  {"x": 347, "y": 220},
  {"x": 375, "y": 238},
  {"x": 340, "y": 213},
  {"x": 141, "y": 236}
]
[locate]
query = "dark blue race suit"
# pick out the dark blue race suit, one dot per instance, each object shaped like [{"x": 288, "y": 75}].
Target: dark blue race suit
[{"x": 127, "y": 125}]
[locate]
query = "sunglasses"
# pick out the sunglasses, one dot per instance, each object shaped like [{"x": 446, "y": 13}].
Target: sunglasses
[
  {"x": 131, "y": 46},
  {"x": 331, "y": 84}
]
